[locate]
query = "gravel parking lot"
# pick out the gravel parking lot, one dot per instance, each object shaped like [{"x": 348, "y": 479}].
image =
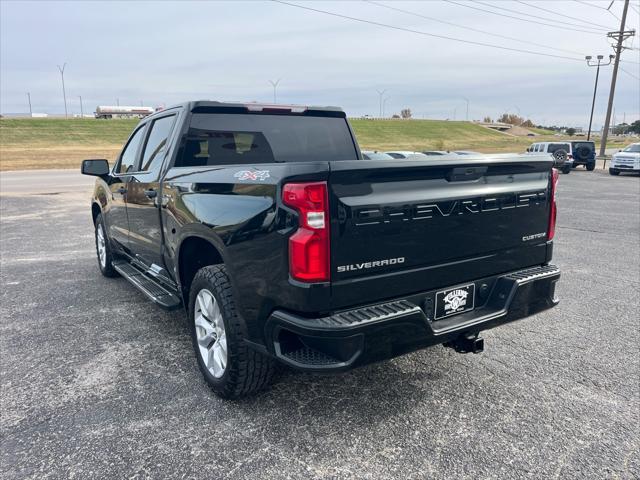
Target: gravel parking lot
[{"x": 97, "y": 382}]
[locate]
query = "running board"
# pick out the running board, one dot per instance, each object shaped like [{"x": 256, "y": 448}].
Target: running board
[{"x": 147, "y": 285}]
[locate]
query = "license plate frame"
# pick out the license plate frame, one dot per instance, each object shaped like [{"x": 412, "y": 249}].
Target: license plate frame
[{"x": 455, "y": 300}]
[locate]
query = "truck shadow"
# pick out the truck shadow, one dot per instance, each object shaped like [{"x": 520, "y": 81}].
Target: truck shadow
[{"x": 359, "y": 398}]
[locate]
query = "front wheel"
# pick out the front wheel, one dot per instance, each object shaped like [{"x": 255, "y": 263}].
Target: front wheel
[
  {"x": 613, "y": 171},
  {"x": 229, "y": 366},
  {"x": 103, "y": 249},
  {"x": 591, "y": 166}
]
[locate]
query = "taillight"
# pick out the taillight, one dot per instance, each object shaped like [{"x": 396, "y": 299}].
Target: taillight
[
  {"x": 309, "y": 245},
  {"x": 554, "y": 209}
]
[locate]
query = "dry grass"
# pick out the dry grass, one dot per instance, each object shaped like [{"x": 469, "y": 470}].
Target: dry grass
[{"x": 29, "y": 158}]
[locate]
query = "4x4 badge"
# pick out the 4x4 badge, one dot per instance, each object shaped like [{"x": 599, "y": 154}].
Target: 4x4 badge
[{"x": 252, "y": 174}]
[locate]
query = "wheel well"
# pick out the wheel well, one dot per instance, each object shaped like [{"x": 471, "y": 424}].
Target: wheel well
[
  {"x": 195, "y": 253},
  {"x": 95, "y": 211}
]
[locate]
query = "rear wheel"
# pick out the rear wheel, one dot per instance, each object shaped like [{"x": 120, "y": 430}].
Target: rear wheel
[
  {"x": 566, "y": 169},
  {"x": 228, "y": 365},
  {"x": 591, "y": 166},
  {"x": 613, "y": 171},
  {"x": 103, "y": 249}
]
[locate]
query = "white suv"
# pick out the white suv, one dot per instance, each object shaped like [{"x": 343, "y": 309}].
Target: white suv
[
  {"x": 560, "y": 151},
  {"x": 627, "y": 160}
]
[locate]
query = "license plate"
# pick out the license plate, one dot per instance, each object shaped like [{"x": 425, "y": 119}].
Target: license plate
[{"x": 455, "y": 300}]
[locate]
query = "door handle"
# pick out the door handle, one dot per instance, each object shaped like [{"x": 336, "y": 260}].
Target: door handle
[
  {"x": 151, "y": 193},
  {"x": 122, "y": 190}
]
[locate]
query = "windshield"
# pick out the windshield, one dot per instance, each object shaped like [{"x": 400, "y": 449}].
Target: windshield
[
  {"x": 634, "y": 147},
  {"x": 232, "y": 139}
]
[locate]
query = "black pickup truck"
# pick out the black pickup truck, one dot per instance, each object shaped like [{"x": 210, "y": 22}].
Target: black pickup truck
[{"x": 284, "y": 245}]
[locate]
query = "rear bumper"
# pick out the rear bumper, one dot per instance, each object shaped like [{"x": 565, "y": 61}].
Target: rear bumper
[{"x": 371, "y": 333}]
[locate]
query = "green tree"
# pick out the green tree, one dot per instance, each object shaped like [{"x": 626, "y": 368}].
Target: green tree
[{"x": 571, "y": 132}]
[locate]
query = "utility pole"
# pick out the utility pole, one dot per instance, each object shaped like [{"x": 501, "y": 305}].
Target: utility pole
[
  {"x": 595, "y": 88},
  {"x": 621, "y": 36},
  {"x": 64, "y": 92},
  {"x": 81, "y": 110},
  {"x": 29, "y": 98},
  {"x": 275, "y": 85},
  {"x": 117, "y": 102},
  {"x": 380, "y": 93},
  {"x": 467, "y": 114}
]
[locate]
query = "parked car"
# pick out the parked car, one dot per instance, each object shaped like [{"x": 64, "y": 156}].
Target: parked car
[
  {"x": 559, "y": 151},
  {"x": 435, "y": 153},
  {"x": 282, "y": 245},
  {"x": 627, "y": 160},
  {"x": 467, "y": 152},
  {"x": 584, "y": 153},
  {"x": 373, "y": 155},
  {"x": 405, "y": 154}
]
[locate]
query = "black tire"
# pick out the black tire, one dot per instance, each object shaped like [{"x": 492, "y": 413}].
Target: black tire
[
  {"x": 613, "y": 171},
  {"x": 106, "y": 265},
  {"x": 591, "y": 166},
  {"x": 566, "y": 169},
  {"x": 246, "y": 371},
  {"x": 575, "y": 165}
]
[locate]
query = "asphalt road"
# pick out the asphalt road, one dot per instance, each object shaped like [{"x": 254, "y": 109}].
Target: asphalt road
[{"x": 96, "y": 382}]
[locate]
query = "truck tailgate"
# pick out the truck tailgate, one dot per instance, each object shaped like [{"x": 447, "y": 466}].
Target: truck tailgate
[{"x": 409, "y": 226}]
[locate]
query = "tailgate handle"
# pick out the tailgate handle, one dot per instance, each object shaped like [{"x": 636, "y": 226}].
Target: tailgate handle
[{"x": 465, "y": 174}]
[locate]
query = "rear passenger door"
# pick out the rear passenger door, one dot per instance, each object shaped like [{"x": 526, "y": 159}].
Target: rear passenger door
[{"x": 143, "y": 196}]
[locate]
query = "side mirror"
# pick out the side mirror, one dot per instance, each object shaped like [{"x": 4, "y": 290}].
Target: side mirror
[
  {"x": 528, "y": 149},
  {"x": 95, "y": 167}
]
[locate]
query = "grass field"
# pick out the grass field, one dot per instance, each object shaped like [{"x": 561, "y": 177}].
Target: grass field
[{"x": 58, "y": 143}]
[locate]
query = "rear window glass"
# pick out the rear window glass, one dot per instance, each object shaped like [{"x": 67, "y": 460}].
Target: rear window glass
[
  {"x": 590, "y": 145},
  {"x": 553, "y": 147},
  {"x": 230, "y": 139}
]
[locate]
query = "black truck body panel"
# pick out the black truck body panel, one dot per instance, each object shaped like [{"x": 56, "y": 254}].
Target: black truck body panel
[{"x": 400, "y": 231}]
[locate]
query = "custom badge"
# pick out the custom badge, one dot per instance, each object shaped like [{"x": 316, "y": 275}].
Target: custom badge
[{"x": 252, "y": 175}]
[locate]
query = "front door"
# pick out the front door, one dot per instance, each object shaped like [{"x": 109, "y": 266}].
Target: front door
[
  {"x": 143, "y": 197},
  {"x": 116, "y": 215}
]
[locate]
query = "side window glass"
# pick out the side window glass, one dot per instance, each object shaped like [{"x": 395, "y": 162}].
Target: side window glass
[
  {"x": 128, "y": 157},
  {"x": 156, "y": 146}
]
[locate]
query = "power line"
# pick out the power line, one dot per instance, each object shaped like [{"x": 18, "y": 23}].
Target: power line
[
  {"x": 471, "y": 28},
  {"x": 444, "y": 37},
  {"x": 524, "y": 14},
  {"x": 521, "y": 19},
  {"x": 597, "y": 6},
  {"x": 537, "y": 7},
  {"x": 629, "y": 73}
]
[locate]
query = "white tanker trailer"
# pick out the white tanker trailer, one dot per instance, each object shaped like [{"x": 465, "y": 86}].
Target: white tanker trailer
[{"x": 109, "y": 111}]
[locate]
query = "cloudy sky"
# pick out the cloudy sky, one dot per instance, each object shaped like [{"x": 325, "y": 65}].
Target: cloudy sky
[{"x": 164, "y": 52}]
